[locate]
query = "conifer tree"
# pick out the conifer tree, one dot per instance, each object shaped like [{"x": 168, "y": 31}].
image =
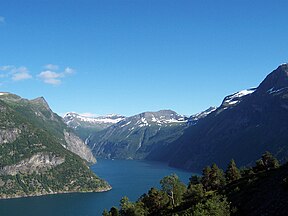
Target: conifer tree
[
  {"x": 213, "y": 178},
  {"x": 267, "y": 162},
  {"x": 232, "y": 173},
  {"x": 217, "y": 177},
  {"x": 206, "y": 177}
]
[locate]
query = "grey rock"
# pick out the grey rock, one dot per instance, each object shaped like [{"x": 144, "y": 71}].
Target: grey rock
[
  {"x": 37, "y": 163},
  {"x": 77, "y": 146},
  {"x": 9, "y": 135}
]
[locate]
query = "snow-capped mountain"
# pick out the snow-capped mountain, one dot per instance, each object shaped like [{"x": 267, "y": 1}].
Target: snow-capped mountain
[
  {"x": 84, "y": 125},
  {"x": 116, "y": 136},
  {"x": 74, "y": 120},
  {"x": 161, "y": 118},
  {"x": 137, "y": 136}
]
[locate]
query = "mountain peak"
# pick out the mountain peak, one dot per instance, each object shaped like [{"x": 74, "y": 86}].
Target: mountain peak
[
  {"x": 276, "y": 80},
  {"x": 41, "y": 101}
]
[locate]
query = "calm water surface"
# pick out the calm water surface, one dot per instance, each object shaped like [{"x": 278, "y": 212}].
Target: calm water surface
[{"x": 127, "y": 177}]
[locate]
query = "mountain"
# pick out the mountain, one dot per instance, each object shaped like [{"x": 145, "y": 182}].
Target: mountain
[
  {"x": 85, "y": 126},
  {"x": 138, "y": 136},
  {"x": 39, "y": 154},
  {"x": 246, "y": 124}
]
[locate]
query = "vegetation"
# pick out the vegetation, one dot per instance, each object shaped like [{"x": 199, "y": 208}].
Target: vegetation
[
  {"x": 28, "y": 128},
  {"x": 213, "y": 193}
]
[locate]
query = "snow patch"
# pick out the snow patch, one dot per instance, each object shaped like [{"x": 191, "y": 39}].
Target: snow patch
[
  {"x": 272, "y": 90},
  {"x": 125, "y": 124},
  {"x": 232, "y": 99}
]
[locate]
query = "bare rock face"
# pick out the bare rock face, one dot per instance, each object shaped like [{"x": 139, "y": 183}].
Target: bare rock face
[
  {"x": 77, "y": 146},
  {"x": 39, "y": 162},
  {"x": 9, "y": 135}
]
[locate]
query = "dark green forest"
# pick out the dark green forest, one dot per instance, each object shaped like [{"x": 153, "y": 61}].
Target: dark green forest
[{"x": 245, "y": 191}]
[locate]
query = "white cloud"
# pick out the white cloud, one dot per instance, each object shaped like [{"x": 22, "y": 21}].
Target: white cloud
[
  {"x": 2, "y": 19},
  {"x": 21, "y": 76},
  {"x": 50, "y": 76},
  {"x": 51, "y": 67},
  {"x": 15, "y": 73},
  {"x": 20, "y": 73},
  {"x": 69, "y": 70}
]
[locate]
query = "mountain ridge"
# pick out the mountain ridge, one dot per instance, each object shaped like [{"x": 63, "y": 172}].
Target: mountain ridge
[{"x": 241, "y": 131}]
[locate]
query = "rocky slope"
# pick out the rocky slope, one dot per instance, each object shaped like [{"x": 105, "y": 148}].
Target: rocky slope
[
  {"x": 246, "y": 124},
  {"x": 39, "y": 154}
]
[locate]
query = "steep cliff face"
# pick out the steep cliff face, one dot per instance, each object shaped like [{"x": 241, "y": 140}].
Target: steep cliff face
[
  {"x": 38, "y": 152},
  {"x": 38, "y": 163},
  {"x": 77, "y": 146}
]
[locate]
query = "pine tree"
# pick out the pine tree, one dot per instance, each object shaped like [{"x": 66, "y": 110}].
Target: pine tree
[
  {"x": 154, "y": 201},
  {"x": 206, "y": 177},
  {"x": 213, "y": 178},
  {"x": 232, "y": 172},
  {"x": 194, "y": 180},
  {"x": 194, "y": 194},
  {"x": 217, "y": 177},
  {"x": 267, "y": 162}
]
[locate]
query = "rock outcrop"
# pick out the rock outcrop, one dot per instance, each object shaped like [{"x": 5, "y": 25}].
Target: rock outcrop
[
  {"x": 77, "y": 146},
  {"x": 37, "y": 163}
]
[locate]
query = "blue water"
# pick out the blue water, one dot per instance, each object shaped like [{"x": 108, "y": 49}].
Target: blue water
[{"x": 127, "y": 177}]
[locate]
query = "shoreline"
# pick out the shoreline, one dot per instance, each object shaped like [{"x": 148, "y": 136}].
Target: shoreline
[{"x": 54, "y": 193}]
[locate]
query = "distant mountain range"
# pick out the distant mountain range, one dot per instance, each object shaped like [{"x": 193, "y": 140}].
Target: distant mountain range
[
  {"x": 39, "y": 154},
  {"x": 246, "y": 124},
  {"x": 132, "y": 137}
]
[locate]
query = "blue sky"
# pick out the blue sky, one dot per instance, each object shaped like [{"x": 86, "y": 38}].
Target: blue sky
[{"x": 130, "y": 56}]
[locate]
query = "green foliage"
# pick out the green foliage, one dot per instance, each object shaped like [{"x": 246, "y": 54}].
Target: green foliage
[
  {"x": 207, "y": 196},
  {"x": 131, "y": 209},
  {"x": 232, "y": 173},
  {"x": 174, "y": 188},
  {"x": 193, "y": 180},
  {"x": 267, "y": 162},
  {"x": 213, "y": 178},
  {"x": 105, "y": 213},
  {"x": 155, "y": 201},
  {"x": 194, "y": 194},
  {"x": 114, "y": 211},
  {"x": 215, "y": 205}
]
